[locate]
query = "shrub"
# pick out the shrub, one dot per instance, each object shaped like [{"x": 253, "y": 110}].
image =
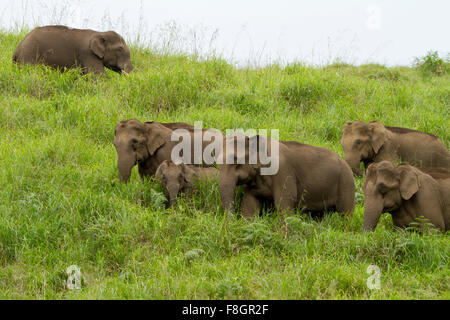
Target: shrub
[{"x": 432, "y": 64}]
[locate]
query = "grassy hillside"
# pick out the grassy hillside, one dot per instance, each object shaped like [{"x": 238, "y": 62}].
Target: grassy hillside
[{"x": 61, "y": 202}]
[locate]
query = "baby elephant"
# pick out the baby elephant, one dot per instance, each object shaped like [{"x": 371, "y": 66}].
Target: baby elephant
[
  {"x": 181, "y": 177},
  {"x": 407, "y": 193},
  {"x": 62, "y": 47}
]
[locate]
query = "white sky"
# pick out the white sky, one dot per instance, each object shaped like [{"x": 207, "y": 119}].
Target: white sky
[{"x": 257, "y": 32}]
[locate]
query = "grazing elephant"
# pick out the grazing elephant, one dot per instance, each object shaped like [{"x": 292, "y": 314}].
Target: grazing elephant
[
  {"x": 145, "y": 144},
  {"x": 311, "y": 178},
  {"x": 406, "y": 193},
  {"x": 181, "y": 177},
  {"x": 373, "y": 142},
  {"x": 62, "y": 47}
]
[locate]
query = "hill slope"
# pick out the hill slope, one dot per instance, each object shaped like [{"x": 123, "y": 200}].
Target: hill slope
[{"x": 61, "y": 203}]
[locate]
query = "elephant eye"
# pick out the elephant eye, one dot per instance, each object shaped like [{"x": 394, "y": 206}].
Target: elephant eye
[
  {"x": 357, "y": 142},
  {"x": 382, "y": 188},
  {"x": 134, "y": 143}
]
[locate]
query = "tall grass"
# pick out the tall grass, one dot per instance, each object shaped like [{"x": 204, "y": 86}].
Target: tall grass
[{"x": 61, "y": 202}]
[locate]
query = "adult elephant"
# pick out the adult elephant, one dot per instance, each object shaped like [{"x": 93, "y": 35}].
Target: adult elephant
[
  {"x": 407, "y": 193},
  {"x": 312, "y": 178},
  {"x": 148, "y": 145},
  {"x": 62, "y": 47},
  {"x": 373, "y": 142}
]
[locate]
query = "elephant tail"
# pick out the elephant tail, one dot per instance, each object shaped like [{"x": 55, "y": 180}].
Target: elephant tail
[{"x": 346, "y": 189}]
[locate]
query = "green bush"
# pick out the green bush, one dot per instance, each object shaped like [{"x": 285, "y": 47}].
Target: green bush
[{"x": 432, "y": 64}]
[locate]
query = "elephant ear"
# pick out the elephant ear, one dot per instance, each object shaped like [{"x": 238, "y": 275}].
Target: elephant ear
[
  {"x": 409, "y": 183},
  {"x": 187, "y": 172},
  {"x": 161, "y": 169},
  {"x": 379, "y": 135},
  {"x": 234, "y": 152},
  {"x": 257, "y": 145},
  {"x": 157, "y": 136},
  {"x": 347, "y": 128},
  {"x": 98, "y": 45},
  {"x": 252, "y": 145}
]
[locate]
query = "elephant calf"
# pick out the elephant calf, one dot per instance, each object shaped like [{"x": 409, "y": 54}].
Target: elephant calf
[
  {"x": 373, "y": 142},
  {"x": 407, "y": 193},
  {"x": 62, "y": 47},
  {"x": 177, "y": 178}
]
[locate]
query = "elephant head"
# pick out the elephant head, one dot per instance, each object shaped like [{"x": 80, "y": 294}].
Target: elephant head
[
  {"x": 136, "y": 142},
  {"x": 235, "y": 167},
  {"x": 361, "y": 142},
  {"x": 385, "y": 189},
  {"x": 174, "y": 178},
  {"x": 111, "y": 48}
]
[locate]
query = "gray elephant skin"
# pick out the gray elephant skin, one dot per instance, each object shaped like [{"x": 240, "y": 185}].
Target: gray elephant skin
[
  {"x": 407, "y": 193},
  {"x": 147, "y": 145},
  {"x": 176, "y": 178},
  {"x": 373, "y": 142},
  {"x": 62, "y": 48},
  {"x": 312, "y": 178}
]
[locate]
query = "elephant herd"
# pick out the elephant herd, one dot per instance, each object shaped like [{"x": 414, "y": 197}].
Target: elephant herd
[
  {"x": 309, "y": 178},
  {"x": 407, "y": 171}
]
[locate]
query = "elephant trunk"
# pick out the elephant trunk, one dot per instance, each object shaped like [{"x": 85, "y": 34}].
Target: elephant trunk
[
  {"x": 355, "y": 164},
  {"x": 126, "y": 162},
  {"x": 227, "y": 186},
  {"x": 172, "y": 191},
  {"x": 127, "y": 68},
  {"x": 372, "y": 212}
]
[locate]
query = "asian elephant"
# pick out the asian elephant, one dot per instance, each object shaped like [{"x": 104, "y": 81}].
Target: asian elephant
[
  {"x": 312, "y": 178},
  {"x": 181, "y": 177},
  {"x": 373, "y": 142},
  {"x": 146, "y": 144},
  {"x": 407, "y": 193},
  {"x": 62, "y": 47}
]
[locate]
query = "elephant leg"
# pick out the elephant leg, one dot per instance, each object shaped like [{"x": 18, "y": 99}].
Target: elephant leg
[
  {"x": 93, "y": 65},
  {"x": 250, "y": 206}
]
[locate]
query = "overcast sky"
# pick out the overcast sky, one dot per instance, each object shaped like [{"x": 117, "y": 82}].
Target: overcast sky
[{"x": 257, "y": 32}]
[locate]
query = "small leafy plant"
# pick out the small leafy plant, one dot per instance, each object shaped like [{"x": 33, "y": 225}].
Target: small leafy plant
[{"x": 432, "y": 64}]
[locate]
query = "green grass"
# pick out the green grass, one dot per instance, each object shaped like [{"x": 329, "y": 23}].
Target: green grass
[{"x": 61, "y": 202}]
